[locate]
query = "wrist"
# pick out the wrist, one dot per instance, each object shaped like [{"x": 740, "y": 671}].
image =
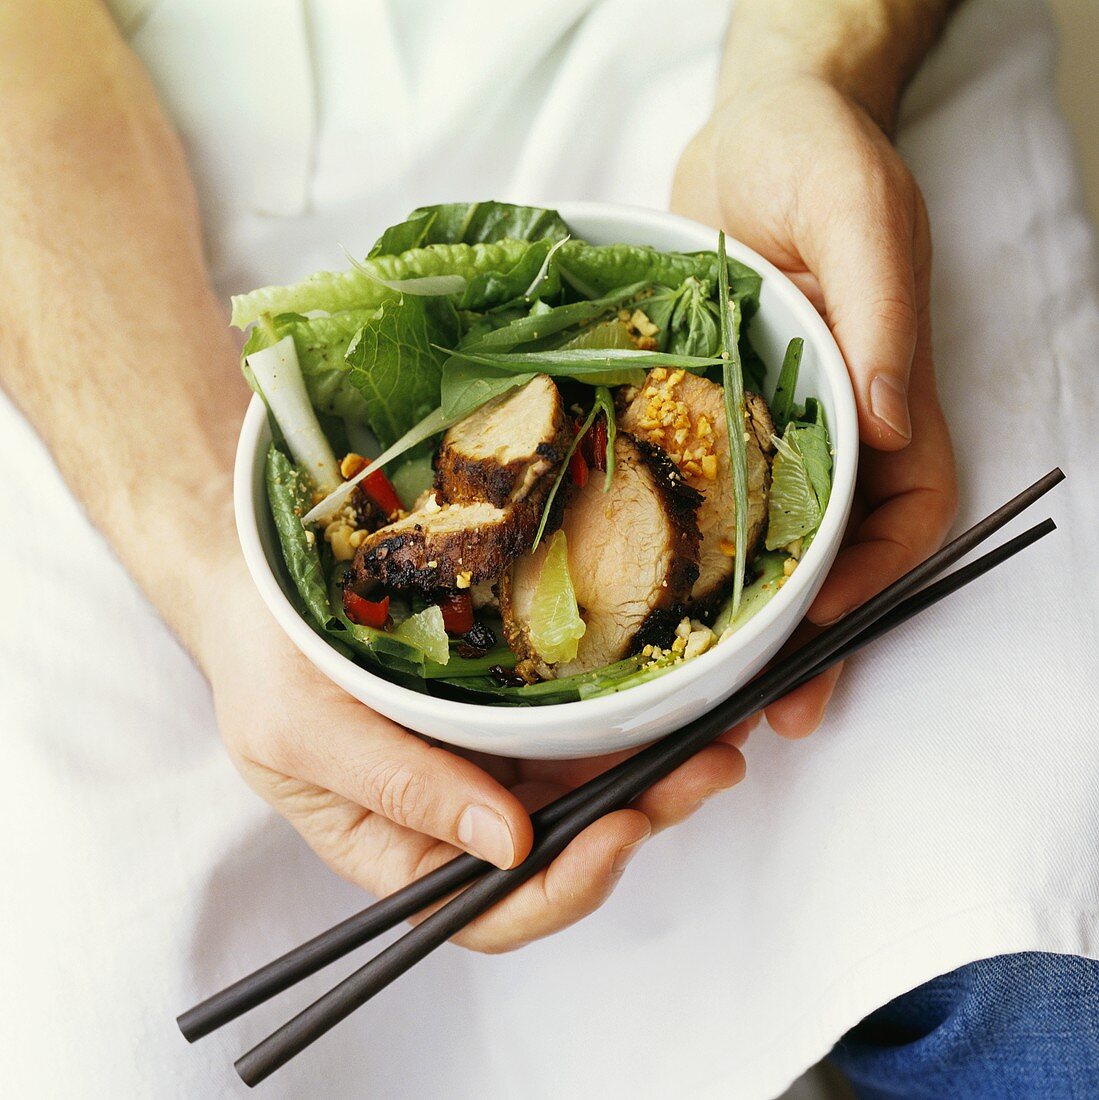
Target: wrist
[{"x": 867, "y": 50}]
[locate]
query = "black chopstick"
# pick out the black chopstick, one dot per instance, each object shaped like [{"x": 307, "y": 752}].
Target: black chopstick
[
  {"x": 325, "y": 948},
  {"x": 625, "y": 782}
]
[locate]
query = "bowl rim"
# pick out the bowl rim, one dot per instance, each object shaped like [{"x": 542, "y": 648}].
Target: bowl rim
[{"x": 634, "y": 220}]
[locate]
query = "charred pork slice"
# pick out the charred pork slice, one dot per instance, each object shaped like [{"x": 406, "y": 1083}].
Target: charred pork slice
[
  {"x": 685, "y": 415},
  {"x": 448, "y": 545},
  {"x": 493, "y": 474},
  {"x": 633, "y": 558},
  {"x": 503, "y": 451}
]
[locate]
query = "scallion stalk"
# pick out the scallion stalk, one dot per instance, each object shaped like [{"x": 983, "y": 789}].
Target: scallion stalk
[{"x": 733, "y": 381}]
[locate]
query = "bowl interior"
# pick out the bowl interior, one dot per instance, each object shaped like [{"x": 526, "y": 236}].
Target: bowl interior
[{"x": 631, "y": 716}]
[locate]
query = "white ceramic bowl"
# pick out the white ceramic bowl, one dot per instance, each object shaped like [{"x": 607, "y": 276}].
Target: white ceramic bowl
[{"x": 640, "y": 714}]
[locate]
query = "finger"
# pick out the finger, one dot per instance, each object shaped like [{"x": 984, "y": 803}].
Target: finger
[
  {"x": 863, "y": 256},
  {"x": 672, "y": 799},
  {"x": 376, "y": 764},
  {"x": 739, "y": 733},
  {"x": 800, "y": 712},
  {"x": 675, "y": 797},
  {"x": 574, "y": 885},
  {"x": 912, "y": 500}
]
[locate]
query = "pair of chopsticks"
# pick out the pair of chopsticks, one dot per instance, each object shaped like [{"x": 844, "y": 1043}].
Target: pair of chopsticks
[{"x": 557, "y": 824}]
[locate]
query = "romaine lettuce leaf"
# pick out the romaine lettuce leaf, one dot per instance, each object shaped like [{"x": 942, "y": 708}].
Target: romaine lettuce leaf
[
  {"x": 801, "y": 483},
  {"x": 404, "y": 235},
  {"x": 473, "y": 222},
  {"x": 321, "y": 343},
  {"x": 598, "y": 269},
  {"x": 334, "y": 291}
]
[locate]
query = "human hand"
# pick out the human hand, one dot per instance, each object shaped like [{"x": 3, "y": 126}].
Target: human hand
[
  {"x": 382, "y": 807},
  {"x": 798, "y": 170}
]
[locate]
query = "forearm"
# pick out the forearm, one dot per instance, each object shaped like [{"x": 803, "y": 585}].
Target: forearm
[
  {"x": 869, "y": 49},
  {"x": 110, "y": 339}
]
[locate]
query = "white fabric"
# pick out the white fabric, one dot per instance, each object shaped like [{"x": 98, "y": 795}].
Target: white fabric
[{"x": 947, "y": 810}]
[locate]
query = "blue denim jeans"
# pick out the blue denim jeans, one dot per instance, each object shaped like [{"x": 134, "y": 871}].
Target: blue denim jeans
[{"x": 1014, "y": 1027}]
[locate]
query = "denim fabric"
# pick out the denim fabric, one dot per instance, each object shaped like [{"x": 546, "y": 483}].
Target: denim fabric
[{"x": 1014, "y": 1027}]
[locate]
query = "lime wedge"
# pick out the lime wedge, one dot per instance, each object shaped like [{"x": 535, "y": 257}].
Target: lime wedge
[
  {"x": 555, "y": 625},
  {"x": 427, "y": 633}
]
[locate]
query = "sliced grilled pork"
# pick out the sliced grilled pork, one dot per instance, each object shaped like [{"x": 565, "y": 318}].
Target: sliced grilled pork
[
  {"x": 448, "y": 545},
  {"x": 685, "y": 415},
  {"x": 633, "y": 558},
  {"x": 493, "y": 475},
  {"x": 502, "y": 452}
]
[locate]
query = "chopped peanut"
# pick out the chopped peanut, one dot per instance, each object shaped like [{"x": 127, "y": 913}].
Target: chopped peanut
[
  {"x": 462, "y": 580},
  {"x": 351, "y": 464}
]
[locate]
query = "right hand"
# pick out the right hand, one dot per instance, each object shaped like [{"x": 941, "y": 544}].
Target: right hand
[{"x": 383, "y": 807}]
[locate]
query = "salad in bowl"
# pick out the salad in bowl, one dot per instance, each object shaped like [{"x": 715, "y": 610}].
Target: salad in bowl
[{"x": 508, "y": 467}]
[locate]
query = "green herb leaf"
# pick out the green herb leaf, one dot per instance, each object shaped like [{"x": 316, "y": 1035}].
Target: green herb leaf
[
  {"x": 394, "y": 365},
  {"x": 733, "y": 382},
  {"x": 542, "y": 323},
  {"x": 604, "y": 402},
  {"x": 782, "y": 403},
  {"x": 580, "y": 363},
  {"x": 589, "y": 419}
]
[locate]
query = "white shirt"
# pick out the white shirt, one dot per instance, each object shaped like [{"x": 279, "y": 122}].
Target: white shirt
[{"x": 947, "y": 810}]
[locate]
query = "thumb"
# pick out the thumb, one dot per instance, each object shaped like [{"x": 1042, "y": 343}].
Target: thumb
[{"x": 864, "y": 261}]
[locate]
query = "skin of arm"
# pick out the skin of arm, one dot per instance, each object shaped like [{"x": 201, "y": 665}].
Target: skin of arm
[
  {"x": 116, "y": 349},
  {"x": 796, "y": 161}
]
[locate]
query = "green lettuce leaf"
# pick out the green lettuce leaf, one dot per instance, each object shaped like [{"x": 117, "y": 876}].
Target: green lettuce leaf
[
  {"x": 321, "y": 343},
  {"x": 404, "y": 235},
  {"x": 333, "y": 292},
  {"x": 393, "y": 363},
  {"x": 476, "y": 222},
  {"x": 547, "y": 321},
  {"x": 801, "y": 484},
  {"x": 812, "y": 442},
  {"x": 598, "y": 269}
]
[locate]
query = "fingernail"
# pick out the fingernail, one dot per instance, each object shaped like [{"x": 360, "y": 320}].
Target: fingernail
[
  {"x": 485, "y": 833},
  {"x": 889, "y": 403},
  {"x": 625, "y": 854}
]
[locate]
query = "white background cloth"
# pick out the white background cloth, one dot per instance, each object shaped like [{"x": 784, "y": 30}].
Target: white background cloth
[{"x": 947, "y": 810}]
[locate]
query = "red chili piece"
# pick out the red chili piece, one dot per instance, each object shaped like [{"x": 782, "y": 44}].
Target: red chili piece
[
  {"x": 380, "y": 490},
  {"x": 364, "y": 612},
  {"x": 457, "y": 609},
  {"x": 578, "y": 469}
]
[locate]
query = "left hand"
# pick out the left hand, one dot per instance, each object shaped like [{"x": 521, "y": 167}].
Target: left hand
[{"x": 799, "y": 171}]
